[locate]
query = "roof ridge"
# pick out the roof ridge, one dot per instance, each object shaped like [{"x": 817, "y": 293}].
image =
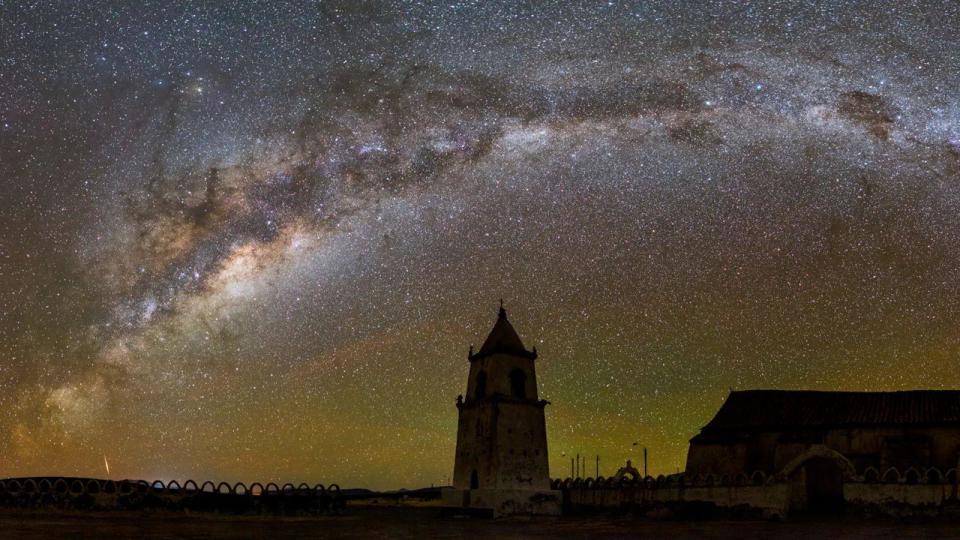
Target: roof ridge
[
  {"x": 821, "y": 409},
  {"x": 794, "y": 391}
]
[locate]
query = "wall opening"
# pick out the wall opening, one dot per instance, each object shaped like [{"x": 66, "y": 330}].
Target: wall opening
[
  {"x": 824, "y": 485},
  {"x": 474, "y": 480},
  {"x": 518, "y": 384},
  {"x": 481, "y": 384}
]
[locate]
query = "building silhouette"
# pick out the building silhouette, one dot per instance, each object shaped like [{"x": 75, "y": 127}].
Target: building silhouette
[
  {"x": 822, "y": 439},
  {"x": 501, "y": 460}
]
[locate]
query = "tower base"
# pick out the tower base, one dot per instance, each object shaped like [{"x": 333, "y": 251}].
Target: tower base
[{"x": 505, "y": 502}]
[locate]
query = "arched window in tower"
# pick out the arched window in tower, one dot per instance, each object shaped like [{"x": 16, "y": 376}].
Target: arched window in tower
[
  {"x": 481, "y": 384},
  {"x": 518, "y": 384},
  {"x": 474, "y": 480}
]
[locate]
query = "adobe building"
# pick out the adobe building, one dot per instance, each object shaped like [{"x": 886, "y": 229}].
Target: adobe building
[
  {"x": 501, "y": 460},
  {"x": 823, "y": 439},
  {"x": 763, "y": 430}
]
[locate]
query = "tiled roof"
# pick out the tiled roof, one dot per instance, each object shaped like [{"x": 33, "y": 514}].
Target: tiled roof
[{"x": 757, "y": 409}]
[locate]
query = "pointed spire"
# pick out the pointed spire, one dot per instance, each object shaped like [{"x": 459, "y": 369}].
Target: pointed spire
[{"x": 503, "y": 339}]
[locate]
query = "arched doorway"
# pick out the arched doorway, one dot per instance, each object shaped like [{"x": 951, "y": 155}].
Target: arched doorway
[
  {"x": 823, "y": 482},
  {"x": 817, "y": 477}
]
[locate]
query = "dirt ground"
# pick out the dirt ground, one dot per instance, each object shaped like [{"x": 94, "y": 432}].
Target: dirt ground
[{"x": 413, "y": 522}]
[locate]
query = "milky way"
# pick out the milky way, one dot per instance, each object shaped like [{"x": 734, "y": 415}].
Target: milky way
[{"x": 254, "y": 242}]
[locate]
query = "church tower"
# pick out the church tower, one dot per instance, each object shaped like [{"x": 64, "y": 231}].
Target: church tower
[{"x": 501, "y": 460}]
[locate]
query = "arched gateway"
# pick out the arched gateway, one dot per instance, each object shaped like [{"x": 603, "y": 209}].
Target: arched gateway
[{"x": 817, "y": 477}]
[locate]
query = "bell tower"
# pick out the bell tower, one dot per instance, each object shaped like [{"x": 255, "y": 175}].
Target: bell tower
[{"x": 501, "y": 459}]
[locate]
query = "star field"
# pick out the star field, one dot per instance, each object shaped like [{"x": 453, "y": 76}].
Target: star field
[{"x": 253, "y": 241}]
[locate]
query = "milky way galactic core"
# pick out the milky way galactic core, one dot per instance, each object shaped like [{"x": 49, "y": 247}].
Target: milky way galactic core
[{"x": 254, "y": 241}]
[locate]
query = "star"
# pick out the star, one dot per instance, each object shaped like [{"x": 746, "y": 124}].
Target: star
[{"x": 676, "y": 199}]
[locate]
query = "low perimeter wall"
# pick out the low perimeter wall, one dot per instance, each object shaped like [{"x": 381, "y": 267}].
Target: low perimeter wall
[
  {"x": 771, "y": 500},
  {"x": 758, "y": 495},
  {"x": 95, "y": 494}
]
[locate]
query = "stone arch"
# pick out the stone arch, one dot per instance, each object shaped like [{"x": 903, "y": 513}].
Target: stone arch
[
  {"x": 319, "y": 489},
  {"x": 126, "y": 486},
  {"x": 208, "y": 484},
  {"x": 224, "y": 486},
  {"x": 577, "y": 482},
  {"x": 555, "y": 483},
  {"x": 143, "y": 486},
  {"x": 190, "y": 485},
  {"x": 288, "y": 489},
  {"x": 272, "y": 489},
  {"x": 157, "y": 485},
  {"x": 76, "y": 487},
  {"x": 892, "y": 476},
  {"x": 110, "y": 487},
  {"x": 93, "y": 487},
  {"x": 758, "y": 478},
  {"x": 630, "y": 475},
  {"x": 933, "y": 476},
  {"x": 240, "y": 489},
  {"x": 950, "y": 476},
  {"x": 334, "y": 488},
  {"x": 725, "y": 480},
  {"x": 912, "y": 476},
  {"x": 174, "y": 486},
  {"x": 14, "y": 487},
  {"x": 45, "y": 486},
  {"x": 819, "y": 473},
  {"x": 29, "y": 486},
  {"x": 709, "y": 480},
  {"x": 741, "y": 479},
  {"x": 819, "y": 451},
  {"x": 303, "y": 488},
  {"x": 871, "y": 475},
  {"x": 256, "y": 489}
]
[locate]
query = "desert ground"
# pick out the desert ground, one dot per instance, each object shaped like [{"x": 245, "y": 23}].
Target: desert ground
[{"x": 419, "y": 522}]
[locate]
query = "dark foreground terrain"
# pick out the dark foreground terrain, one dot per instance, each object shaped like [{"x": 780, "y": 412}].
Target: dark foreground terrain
[{"x": 416, "y": 522}]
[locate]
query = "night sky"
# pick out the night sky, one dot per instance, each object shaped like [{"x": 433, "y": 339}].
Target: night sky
[{"x": 254, "y": 242}]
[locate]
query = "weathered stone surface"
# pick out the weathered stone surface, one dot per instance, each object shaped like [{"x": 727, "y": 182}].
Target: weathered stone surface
[{"x": 501, "y": 461}]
